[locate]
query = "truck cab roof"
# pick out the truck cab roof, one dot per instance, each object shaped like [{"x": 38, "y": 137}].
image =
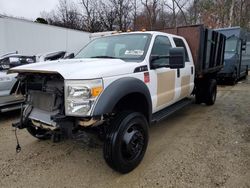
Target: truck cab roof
[{"x": 142, "y": 32}]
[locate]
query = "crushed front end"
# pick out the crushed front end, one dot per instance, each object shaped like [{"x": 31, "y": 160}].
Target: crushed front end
[
  {"x": 47, "y": 112},
  {"x": 43, "y": 111}
]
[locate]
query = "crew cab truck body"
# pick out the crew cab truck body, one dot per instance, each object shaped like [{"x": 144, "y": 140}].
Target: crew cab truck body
[
  {"x": 236, "y": 55},
  {"x": 207, "y": 47},
  {"x": 118, "y": 85}
]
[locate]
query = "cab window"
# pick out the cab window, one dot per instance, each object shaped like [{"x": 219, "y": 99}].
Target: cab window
[
  {"x": 179, "y": 43},
  {"x": 161, "y": 47},
  {"x": 4, "y": 64}
]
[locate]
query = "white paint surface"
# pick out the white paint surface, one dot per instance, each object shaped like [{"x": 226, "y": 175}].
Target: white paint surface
[{"x": 29, "y": 38}]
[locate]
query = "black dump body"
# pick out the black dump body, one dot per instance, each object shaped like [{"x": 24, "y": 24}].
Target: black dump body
[{"x": 207, "y": 47}]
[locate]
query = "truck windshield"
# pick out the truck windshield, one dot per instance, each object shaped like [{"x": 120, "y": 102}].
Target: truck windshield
[
  {"x": 125, "y": 46},
  {"x": 231, "y": 45}
]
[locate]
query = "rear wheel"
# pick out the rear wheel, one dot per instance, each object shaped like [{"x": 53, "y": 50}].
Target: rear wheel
[
  {"x": 126, "y": 141},
  {"x": 211, "y": 92},
  {"x": 199, "y": 95},
  {"x": 234, "y": 77},
  {"x": 246, "y": 74}
]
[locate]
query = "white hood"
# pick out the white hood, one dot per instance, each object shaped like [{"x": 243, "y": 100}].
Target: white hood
[{"x": 81, "y": 68}]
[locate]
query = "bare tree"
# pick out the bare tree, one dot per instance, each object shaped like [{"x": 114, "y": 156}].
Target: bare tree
[
  {"x": 65, "y": 15},
  {"x": 91, "y": 16},
  {"x": 135, "y": 7},
  {"x": 103, "y": 15},
  {"x": 107, "y": 15},
  {"x": 152, "y": 9},
  {"x": 231, "y": 13},
  {"x": 193, "y": 12},
  {"x": 195, "y": 7},
  {"x": 176, "y": 7},
  {"x": 242, "y": 13},
  {"x": 123, "y": 8}
]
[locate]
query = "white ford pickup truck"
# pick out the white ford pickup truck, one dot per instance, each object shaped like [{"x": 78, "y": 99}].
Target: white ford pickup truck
[{"x": 120, "y": 84}]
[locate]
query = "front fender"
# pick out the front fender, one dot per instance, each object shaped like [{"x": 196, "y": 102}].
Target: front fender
[{"x": 119, "y": 89}]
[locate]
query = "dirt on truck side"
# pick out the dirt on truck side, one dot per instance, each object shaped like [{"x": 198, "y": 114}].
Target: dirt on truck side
[{"x": 206, "y": 147}]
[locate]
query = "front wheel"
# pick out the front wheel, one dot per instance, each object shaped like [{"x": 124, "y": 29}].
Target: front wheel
[
  {"x": 126, "y": 141},
  {"x": 37, "y": 132}
]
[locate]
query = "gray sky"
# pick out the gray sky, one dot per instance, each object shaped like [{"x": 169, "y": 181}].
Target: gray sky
[{"x": 29, "y": 9}]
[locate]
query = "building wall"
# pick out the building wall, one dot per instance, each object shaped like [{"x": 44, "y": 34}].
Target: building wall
[
  {"x": 2, "y": 38},
  {"x": 29, "y": 38}
]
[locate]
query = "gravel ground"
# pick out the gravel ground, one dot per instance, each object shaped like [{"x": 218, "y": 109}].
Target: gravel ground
[{"x": 198, "y": 146}]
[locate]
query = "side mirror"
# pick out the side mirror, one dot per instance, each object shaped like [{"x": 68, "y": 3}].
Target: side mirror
[
  {"x": 177, "y": 58},
  {"x": 70, "y": 56}
]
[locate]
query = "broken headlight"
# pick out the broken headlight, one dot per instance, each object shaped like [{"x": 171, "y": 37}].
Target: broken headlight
[{"x": 80, "y": 96}]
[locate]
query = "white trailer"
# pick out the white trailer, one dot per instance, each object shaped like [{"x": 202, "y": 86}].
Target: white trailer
[{"x": 30, "y": 38}]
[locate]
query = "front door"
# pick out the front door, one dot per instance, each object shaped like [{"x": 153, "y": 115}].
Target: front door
[{"x": 165, "y": 78}]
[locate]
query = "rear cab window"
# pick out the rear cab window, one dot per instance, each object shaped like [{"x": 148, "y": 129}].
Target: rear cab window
[{"x": 180, "y": 43}]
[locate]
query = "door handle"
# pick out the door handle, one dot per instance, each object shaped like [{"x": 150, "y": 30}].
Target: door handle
[{"x": 192, "y": 70}]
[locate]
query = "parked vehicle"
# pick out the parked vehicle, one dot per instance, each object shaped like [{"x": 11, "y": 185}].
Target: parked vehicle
[
  {"x": 246, "y": 54},
  {"x": 119, "y": 85},
  {"x": 54, "y": 56},
  {"x": 9, "y": 99},
  {"x": 236, "y": 55},
  {"x": 6, "y": 82},
  {"x": 13, "y": 59}
]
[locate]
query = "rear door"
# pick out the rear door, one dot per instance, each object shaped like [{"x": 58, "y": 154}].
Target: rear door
[{"x": 185, "y": 76}]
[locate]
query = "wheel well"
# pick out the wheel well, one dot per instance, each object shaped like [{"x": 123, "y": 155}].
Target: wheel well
[{"x": 134, "y": 101}]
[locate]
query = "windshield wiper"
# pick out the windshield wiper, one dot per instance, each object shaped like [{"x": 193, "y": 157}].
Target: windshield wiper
[{"x": 104, "y": 56}]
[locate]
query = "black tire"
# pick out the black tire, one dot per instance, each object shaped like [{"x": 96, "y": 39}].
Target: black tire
[
  {"x": 199, "y": 95},
  {"x": 211, "y": 92},
  {"x": 126, "y": 141},
  {"x": 245, "y": 77},
  {"x": 234, "y": 78},
  {"x": 37, "y": 132}
]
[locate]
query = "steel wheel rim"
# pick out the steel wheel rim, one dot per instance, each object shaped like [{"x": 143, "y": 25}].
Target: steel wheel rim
[{"x": 133, "y": 142}]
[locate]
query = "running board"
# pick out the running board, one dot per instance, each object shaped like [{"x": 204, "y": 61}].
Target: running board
[{"x": 158, "y": 116}]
